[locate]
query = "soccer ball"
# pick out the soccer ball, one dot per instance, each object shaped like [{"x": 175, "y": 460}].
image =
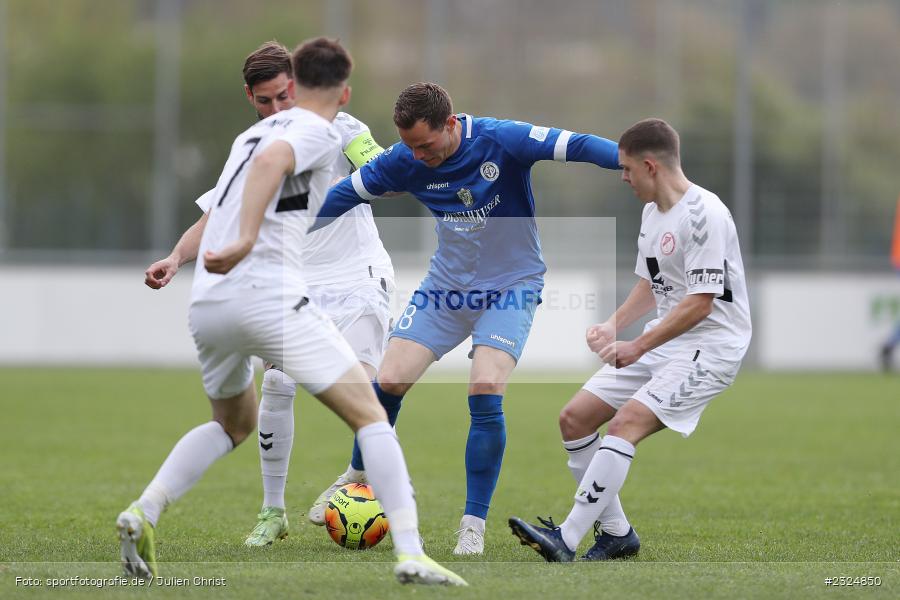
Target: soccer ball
[{"x": 354, "y": 518}]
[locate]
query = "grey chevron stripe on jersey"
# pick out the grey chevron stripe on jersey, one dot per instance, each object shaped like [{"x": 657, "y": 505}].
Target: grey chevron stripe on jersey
[{"x": 700, "y": 235}]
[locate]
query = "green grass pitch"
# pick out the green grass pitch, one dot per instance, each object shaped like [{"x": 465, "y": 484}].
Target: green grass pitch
[{"x": 789, "y": 480}]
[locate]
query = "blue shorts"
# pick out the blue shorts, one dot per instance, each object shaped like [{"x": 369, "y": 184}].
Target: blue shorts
[{"x": 441, "y": 319}]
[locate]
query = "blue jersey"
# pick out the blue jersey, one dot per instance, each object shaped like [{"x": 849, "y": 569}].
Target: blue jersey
[{"x": 472, "y": 196}]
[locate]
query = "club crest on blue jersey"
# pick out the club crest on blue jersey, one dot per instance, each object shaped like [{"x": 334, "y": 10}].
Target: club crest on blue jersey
[
  {"x": 490, "y": 171},
  {"x": 466, "y": 197}
]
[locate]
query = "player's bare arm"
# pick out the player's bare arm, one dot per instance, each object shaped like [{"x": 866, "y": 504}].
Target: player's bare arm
[
  {"x": 265, "y": 175},
  {"x": 160, "y": 273},
  {"x": 684, "y": 317},
  {"x": 639, "y": 302}
]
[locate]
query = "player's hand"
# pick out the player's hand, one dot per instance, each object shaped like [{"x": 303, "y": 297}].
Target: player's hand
[
  {"x": 161, "y": 273},
  {"x": 224, "y": 260},
  {"x": 621, "y": 354},
  {"x": 600, "y": 336}
]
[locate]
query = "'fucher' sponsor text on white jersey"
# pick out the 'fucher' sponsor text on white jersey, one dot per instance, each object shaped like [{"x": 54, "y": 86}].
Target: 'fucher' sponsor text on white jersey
[
  {"x": 693, "y": 249},
  {"x": 275, "y": 260},
  {"x": 343, "y": 251}
]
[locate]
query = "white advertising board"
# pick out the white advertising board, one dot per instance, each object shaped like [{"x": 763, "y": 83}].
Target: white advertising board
[{"x": 833, "y": 321}]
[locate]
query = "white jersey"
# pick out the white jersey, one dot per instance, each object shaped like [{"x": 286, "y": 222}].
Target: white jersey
[
  {"x": 693, "y": 249},
  {"x": 275, "y": 260},
  {"x": 350, "y": 248}
]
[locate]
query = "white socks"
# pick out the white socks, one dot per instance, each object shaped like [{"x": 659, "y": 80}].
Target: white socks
[
  {"x": 194, "y": 453},
  {"x": 581, "y": 451},
  {"x": 386, "y": 471},
  {"x": 601, "y": 483},
  {"x": 276, "y": 434}
]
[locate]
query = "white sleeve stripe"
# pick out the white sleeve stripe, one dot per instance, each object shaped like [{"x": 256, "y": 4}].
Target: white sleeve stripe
[
  {"x": 359, "y": 188},
  {"x": 562, "y": 144}
]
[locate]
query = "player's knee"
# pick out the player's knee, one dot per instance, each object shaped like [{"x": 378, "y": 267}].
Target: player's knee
[
  {"x": 624, "y": 425},
  {"x": 569, "y": 425},
  {"x": 391, "y": 383},
  {"x": 573, "y": 425},
  {"x": 483, "y": 386}
]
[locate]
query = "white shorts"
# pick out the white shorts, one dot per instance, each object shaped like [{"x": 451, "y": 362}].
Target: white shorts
[
  {"x": 362, "y": 313},
  {"x": 286, "y": 330},
  {"x": 675, "y": 383}
]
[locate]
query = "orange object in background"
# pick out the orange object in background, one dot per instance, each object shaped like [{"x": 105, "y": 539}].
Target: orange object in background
[{"x": 895, "y": 247}]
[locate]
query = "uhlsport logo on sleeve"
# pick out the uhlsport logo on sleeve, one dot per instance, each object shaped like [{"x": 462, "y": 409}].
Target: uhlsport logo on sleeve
[
  {"x": 706, "y": 276},
  {"x": 490, "y": 171},
  {"x": 539, "y": 133}
]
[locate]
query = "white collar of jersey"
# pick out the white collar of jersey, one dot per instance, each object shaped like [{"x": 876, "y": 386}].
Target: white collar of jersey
[{"x": 468, "y": 119}]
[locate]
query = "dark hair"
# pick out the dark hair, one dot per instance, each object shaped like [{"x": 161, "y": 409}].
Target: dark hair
[
  {"x": 654, "y": 136},
  {"x": 266, "y": 62},
  {"x": 427, "y": 102},
  {"x": 321, "y": 63}
]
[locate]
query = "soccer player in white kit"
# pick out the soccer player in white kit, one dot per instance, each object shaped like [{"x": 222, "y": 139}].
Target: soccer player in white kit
[
  {"x": 249, "y": 298},
  {"x": 690, "y": 269},
  {"x": 351, "y": 279},
  {"x": 348, "y": 272}
]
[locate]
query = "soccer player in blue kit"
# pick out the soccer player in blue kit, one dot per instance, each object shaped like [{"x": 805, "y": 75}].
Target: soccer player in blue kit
[{"x": 486, "y": 276}]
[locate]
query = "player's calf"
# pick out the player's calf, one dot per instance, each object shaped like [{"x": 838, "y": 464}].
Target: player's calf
[
  {"x": 351, "y": 397},
  {"x": 237, "y": 414},
  {"x": 276, "y": 435}
]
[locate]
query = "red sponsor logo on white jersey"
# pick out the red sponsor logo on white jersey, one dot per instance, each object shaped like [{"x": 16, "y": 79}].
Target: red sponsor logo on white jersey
[{"x": 667, "y": 243}]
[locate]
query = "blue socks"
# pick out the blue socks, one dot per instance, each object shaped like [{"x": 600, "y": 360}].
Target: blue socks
[
  {"x": 484, "y": 452},
  {"x": 391, "y": 406},
  {"x": 484, "y": 448}
]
